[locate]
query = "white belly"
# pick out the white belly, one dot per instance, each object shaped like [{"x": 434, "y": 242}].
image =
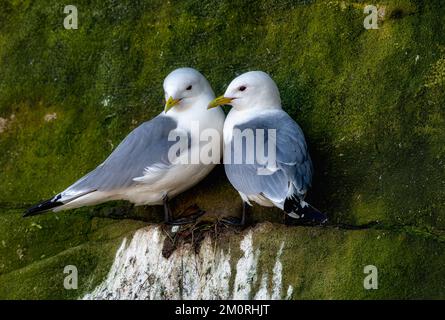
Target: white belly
[
  {"x": 177, "y": 180},
  {"x": 259, "y": 199}
]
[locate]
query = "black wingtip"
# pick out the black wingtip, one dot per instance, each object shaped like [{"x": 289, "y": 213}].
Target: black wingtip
[
  {"x": 42, "y": 207},
  {"x": 308, "y": 215}
]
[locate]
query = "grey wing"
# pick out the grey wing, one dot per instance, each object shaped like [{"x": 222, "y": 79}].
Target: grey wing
[
  {"x": 145, "y": 146},
  {"x": 293, "y": 166}
]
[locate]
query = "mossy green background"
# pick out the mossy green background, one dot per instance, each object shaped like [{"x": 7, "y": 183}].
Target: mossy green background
[{"x": 371, "y": 103}]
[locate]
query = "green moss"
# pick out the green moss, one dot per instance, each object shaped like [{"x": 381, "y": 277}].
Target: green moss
[
  {"x": 34, "y": 252},
  {"x": 370, "y": 103},
  {"x": 329, "y": 263}
]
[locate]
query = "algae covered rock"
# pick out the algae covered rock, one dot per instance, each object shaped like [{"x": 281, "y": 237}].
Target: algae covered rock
[
  {"x": 371, "y": 104},
  {"x": 294, "y": 265}
]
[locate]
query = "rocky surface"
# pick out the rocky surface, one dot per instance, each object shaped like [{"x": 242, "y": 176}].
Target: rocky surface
[{"x": 371, "y": 103}]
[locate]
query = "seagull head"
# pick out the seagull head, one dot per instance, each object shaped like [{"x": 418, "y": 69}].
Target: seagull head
[
  {"x": 185, "y": 87},
  {"x": 254, "y": 89}
]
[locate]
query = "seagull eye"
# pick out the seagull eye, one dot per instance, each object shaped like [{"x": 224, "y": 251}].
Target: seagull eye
[
  {"x": 242, "y": 88},
  {"x": 189, "y": 87}
]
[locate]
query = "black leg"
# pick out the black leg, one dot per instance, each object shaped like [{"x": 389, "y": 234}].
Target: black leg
[
  {"x": 243, "y": 217},
  {"x": 286, "y": 219},
  {"x": 168, "y": 216},
  {"x": 167, "y": 211},
  {"x": 234, "y": 221}
]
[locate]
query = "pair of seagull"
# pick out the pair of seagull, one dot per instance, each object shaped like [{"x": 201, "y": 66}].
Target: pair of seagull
[{"x": 142, "y": 170}]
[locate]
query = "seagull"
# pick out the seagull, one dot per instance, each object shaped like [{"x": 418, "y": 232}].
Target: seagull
[
  {"x": 282, "y": 176},
  {"x": 143, "y": 169}
]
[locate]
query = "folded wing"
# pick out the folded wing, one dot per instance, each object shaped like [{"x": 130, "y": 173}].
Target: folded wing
[
  {"x": 142, "y": 152},
  {"x": 292, "y": 171}
]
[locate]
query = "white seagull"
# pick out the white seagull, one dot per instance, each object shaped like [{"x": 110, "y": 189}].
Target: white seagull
[
  {"x": 141, "y": 169},
  {"x": 281, "y": 180}
]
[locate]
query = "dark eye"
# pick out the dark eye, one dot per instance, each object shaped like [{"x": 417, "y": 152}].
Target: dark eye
[
  {"x": 242, "y": 88},
  {"x": 189, "y": 87}
]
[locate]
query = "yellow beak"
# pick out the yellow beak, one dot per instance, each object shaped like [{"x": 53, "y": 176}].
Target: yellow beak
[
  {"x": 170, "y": 103},
  {"x": 219, "y": 101}
]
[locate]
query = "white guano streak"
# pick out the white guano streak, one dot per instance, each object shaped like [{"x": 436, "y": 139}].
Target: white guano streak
[{"x": 139, "y": 271}]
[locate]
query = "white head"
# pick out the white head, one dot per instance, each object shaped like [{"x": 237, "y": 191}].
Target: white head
[
  {"x": 254, "y": 89},
  {"x": 184, "y": 87}
]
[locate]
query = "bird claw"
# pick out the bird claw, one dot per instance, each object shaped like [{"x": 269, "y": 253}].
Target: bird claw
[
  {"x": 233, "y": 221},
  {"x": 182, "y": 221}
]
